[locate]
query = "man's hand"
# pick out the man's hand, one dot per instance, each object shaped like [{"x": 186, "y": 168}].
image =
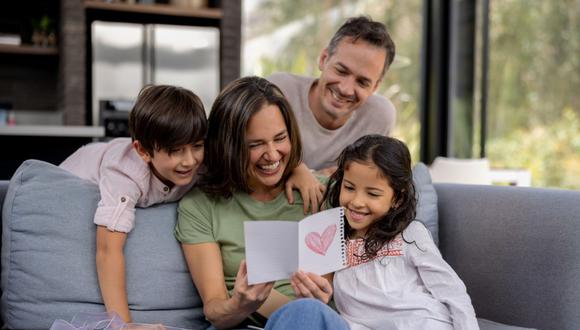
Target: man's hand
[{"x": 309, "y": 187}]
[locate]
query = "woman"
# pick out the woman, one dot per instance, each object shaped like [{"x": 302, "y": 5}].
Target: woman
[{"x": 252, "y": 147}]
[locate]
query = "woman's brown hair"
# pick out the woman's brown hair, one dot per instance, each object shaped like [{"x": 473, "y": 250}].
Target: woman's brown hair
[{"x": 226, "y": 150}]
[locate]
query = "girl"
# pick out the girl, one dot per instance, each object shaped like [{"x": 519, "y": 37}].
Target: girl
[{"x": 396, "y": 278}]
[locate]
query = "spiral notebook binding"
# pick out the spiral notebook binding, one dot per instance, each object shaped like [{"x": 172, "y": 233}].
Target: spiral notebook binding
[{"x": 342, "y": 238}]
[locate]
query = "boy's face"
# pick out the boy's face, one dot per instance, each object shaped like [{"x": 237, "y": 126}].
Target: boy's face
[{"x": 175, "y": 167}]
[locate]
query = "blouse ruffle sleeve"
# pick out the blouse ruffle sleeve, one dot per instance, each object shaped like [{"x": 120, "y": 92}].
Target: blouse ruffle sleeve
[{"x": 439, "y": 278}]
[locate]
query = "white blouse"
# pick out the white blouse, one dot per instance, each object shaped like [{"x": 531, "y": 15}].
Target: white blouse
[{"x": 407, "y": 286}]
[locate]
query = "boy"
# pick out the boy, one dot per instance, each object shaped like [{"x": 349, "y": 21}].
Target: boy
[{"x": 158, "y": 164}]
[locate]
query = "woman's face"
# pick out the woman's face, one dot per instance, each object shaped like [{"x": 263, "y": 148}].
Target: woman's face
[{"x": 269, "y": 146}]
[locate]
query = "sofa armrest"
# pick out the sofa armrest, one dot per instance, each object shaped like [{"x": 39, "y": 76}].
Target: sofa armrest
[{"x": 517, "y": 250}]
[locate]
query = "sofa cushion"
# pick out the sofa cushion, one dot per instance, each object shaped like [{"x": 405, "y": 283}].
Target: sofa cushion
[
  {"x": 427, "y": 200},
  {"x": 490, "y": 325},
  {"x": 48, "y": 255}
]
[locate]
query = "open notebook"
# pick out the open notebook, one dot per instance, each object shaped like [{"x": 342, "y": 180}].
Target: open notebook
[{"x": 276, "y": 249}]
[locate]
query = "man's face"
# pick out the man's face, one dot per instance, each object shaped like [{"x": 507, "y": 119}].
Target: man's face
[{"x": 348, "y": 77}]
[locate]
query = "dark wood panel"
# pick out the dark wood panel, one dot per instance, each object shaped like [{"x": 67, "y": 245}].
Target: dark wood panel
[{"x": 17, "y": 149}]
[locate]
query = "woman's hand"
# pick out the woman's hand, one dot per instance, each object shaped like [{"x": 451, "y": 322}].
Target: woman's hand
[
  {"x": 310, "y": 285},
  {"x": 309, "y": 187},
  {"x": 249, "y": 298}
]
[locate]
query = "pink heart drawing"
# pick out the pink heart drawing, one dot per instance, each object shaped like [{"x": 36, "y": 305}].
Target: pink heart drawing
[{"x": 320, "y": 243}]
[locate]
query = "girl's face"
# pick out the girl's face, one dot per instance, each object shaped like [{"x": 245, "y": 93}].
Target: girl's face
[
  {"x": 269, "y": 146},
  {"x": 366, "y": 196}
]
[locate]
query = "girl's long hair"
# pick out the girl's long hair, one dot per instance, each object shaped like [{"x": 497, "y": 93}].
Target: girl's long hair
[{"x": 393, "y": 160}]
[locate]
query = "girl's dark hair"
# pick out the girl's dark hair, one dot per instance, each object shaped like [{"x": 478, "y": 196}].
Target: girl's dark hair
[
  {"x": 393, "y": 160},
  {"x": 227, "y": 154},
  {"x": 165, "y": 117}
]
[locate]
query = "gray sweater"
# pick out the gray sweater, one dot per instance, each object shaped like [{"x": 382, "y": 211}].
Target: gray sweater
[{"x": 322, "y": 146}]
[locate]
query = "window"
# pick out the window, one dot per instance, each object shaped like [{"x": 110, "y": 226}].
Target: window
[{"x": 533, "y": 104}]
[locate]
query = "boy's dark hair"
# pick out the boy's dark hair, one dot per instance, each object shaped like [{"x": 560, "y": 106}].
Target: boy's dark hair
[
  {"x": 364, "y": 28},
  {"x": 165, "y": 117},
  {"x": 227, "y": 153},
  {"x": 393, "y": 160}
]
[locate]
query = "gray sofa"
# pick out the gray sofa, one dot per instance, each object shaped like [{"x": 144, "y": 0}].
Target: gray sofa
[{"x": 516, "y": 249}]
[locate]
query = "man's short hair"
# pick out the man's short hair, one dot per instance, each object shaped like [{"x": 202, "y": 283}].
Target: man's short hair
[{"x": 372, "y": 32}]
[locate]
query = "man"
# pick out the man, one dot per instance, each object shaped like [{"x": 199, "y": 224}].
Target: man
[{"x": 336, "y": 109}]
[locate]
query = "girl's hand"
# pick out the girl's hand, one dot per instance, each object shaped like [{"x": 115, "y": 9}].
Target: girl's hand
[
  {"x": 310, "y": 285},
  {"x": 310, "y": 188},
  {"x": 249, "y": 298}
]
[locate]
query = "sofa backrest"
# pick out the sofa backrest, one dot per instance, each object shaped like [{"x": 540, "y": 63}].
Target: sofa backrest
[
  {"x": 48, "y": 256},
  {"x": 517, "y": 250}
]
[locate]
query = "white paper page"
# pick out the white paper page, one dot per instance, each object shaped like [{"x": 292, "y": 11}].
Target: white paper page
[
  {"x": 321, "y": 242},
  {"x": 271, "y": 251}
]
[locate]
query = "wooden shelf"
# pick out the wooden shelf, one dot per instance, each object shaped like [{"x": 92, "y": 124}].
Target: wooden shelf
[
  {"x": 155, "y": 9},
  {"x": 26, "y": 49}
]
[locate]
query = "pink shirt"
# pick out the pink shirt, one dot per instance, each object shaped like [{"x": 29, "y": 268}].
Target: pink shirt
[{"x": 124, "y": 179}]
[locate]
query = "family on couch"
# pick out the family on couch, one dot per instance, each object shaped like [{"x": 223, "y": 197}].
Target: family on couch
[{"x": 244, "y": 163}]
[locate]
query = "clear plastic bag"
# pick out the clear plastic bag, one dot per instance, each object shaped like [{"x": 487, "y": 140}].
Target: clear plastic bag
[{"x": 104, "y": 321}]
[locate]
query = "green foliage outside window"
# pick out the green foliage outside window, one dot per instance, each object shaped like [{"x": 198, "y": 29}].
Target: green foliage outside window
[{"x": 534, "y": 89}]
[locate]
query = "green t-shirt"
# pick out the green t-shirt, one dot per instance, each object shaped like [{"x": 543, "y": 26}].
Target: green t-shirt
[{"x": 202, "y": 219}]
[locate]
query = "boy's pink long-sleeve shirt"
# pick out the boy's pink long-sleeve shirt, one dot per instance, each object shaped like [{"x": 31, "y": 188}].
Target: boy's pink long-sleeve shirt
[{"x": 125, "y": 181}]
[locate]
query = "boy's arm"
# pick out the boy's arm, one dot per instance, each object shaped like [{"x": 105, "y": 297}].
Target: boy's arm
[{"x": 110, "y": 261}]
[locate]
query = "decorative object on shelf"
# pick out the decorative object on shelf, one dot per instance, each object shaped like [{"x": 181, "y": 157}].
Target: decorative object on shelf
[
  {"x": 43, "y": 32},
  {"x": 10, "y": 39},
  {"x": 6, "y": 115},
  {"x": 3, "y": 117},
  {"x": 194, "y": 4}
]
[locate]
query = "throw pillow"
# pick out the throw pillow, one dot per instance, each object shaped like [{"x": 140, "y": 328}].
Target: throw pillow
[
  {"x": 427, "y": 200},
  {"x": 48, "y": 255}
]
